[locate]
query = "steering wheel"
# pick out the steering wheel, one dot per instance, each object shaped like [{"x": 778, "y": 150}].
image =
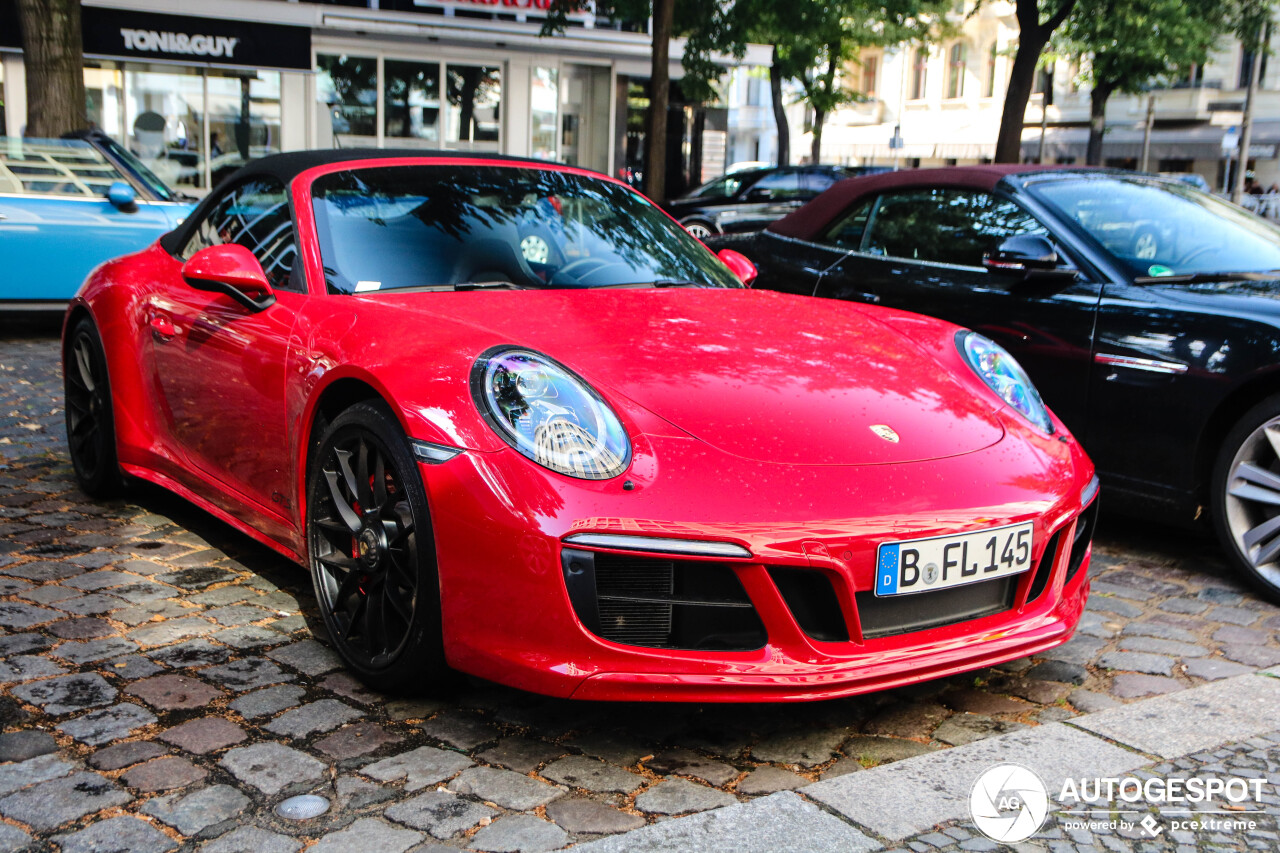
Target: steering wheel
[
  {"x": 535, "y": 250},
  {"x": 580, "y": 270}
]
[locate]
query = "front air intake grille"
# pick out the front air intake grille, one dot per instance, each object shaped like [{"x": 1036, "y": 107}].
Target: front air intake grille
[
  {"x": 661, "y": 603},
  {"x": 901, "y": 614},
  {"x": 635, "y": 600},
  {"x": 1086, "y": 525}
]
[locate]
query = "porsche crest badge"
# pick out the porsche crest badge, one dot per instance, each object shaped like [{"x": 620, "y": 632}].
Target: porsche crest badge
[{"x": 885, "y": 432}]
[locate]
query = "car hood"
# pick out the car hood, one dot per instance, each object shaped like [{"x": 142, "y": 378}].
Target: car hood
[{"x": 761, "y": 375}]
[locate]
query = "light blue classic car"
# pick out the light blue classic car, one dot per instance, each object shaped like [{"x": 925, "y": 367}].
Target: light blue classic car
[{"x": 67, "y": 205}]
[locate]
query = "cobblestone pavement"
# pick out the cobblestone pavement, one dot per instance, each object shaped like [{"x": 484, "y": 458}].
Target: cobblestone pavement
[
  {"x": 164, "y": 680},
  {"x": 1117, "y": 826}
]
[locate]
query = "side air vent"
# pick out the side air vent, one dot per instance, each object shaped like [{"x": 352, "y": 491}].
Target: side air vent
[
  {"x": 812, "y": 601},
  {"x": 1086, "y": 526},
  {"x": 1044, "y": 570}
]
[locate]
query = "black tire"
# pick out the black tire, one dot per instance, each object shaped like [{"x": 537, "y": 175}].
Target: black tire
[
  {"x": 372, "y": 554},
  {"x": 90, "y": 421},
  {"x": 1245, "y": 501}
]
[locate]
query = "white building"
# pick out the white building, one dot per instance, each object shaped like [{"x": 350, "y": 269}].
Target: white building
[{"x": 947, "y": 101}]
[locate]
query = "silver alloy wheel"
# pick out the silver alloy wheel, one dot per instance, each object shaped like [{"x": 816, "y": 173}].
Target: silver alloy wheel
[
  {"x": 698, "y": 230},
  {"x": 1252, "y": 501}
]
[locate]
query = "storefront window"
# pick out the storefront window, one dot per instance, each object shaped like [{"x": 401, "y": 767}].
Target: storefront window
[
  {"x": 543, "y": 101},
  {"x": 411, "y": 100},
  {"x": 244, "y": 118},
  {"x": 163, "y": 111},
  {"x": 158, "y": 113},
  {"x": 584, "y": 120},
  {"x": 475, "y": 101},
  {"x": 348, "y": 87}
]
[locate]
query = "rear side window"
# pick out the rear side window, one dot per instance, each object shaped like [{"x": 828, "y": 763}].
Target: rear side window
[
  {"x": 944, "y": 225},
  {"x": 848, "y": 230},
  {"x": 781, "y": 184},
  {"x": 816, "y": 182},
  {"x": 254, "y": 214}
]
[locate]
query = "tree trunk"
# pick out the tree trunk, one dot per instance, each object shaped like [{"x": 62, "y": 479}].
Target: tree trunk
[
  {"x": 819, "y": 119},
  {"x": 820, "y": 116},
  {"x": 1032, "y": 37},
  {"x": 655, "y": 130},
  {"x": 695, "y": 146},
  {"x": 53, "y": 51},
  {"x": 1097, "y": 123},
  {"x": 779, "y": 111},
  {"x": 1022, "y": 78}
]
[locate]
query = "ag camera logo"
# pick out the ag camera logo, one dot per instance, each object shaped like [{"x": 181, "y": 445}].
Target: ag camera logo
[{"x": 1008, "y": 803}]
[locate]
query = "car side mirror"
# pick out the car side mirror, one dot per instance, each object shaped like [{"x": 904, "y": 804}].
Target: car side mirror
[
  {"x": 122, "y": 197},
  {"x": 1022, "y": 253},
  {"x": 231, "y": 269},
  {"x": 759, "y": 194},
  {"x": 738, "y": 264}
]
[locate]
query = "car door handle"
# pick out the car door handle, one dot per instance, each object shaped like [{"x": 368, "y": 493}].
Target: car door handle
[{"x": 162, "y": 328}]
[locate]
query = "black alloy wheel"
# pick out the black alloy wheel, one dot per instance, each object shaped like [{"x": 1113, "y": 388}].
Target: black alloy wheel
[
  {"x": 372, "y": 553},
  {"x": 1246, "y": 496},
  {"x": 91, "y": 433}
]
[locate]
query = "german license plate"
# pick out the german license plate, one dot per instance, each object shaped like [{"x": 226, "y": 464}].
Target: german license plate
[{"x": 923, "y": 565}]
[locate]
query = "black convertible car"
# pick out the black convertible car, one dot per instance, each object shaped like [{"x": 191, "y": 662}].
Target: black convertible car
[{"x": 1147, "y": 312}]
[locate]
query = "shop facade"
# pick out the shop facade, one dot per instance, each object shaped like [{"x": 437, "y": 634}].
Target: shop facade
[{"x": 196, "y": 96}]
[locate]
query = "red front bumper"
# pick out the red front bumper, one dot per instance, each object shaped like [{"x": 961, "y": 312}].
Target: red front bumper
[{"x": 500, "y": 522}]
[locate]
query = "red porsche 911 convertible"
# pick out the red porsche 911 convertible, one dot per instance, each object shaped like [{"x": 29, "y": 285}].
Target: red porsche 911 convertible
[{"x": 519, "y": 424}]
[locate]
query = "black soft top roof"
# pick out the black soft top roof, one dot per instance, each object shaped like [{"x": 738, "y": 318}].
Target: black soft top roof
[{"x": 286, "y": 167}]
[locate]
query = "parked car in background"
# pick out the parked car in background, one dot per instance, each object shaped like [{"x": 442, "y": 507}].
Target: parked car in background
[
  {"x": 1146, "y": 312},
  {"x": 749, "y": 199},
  {"x": 519, "y": 423},
  {"x": 67, "y": 205},
  {"x": 1193, "y": 179}
]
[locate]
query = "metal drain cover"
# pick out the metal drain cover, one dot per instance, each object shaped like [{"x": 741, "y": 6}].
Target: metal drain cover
[{"x": 303, "y": 807}]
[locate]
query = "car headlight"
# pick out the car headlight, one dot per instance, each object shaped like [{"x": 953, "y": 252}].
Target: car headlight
[
  {"x": 549, "y": 414},
  {"x": 1005, "y": 376}
]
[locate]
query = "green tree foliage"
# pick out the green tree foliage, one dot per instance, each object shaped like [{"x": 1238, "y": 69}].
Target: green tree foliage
[
  {"x": 815, "y": 41},
  {"x": 1126, "y": 47},
  {"x": 707, "y": 27}
]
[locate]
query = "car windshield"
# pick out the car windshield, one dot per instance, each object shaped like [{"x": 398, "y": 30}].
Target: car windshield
[
  {"x": 389, "y": 227},
  {"x": 1165, "y": 228},
  {"x": 59, "y": 167},
  {"x": 158, "y": 187}
]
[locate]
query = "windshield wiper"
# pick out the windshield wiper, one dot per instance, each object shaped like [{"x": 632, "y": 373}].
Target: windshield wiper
[
  {"x": 1203, "y": 277},
  {"x": 459, "y": 285},
  {"x": 662, "y": 282}
]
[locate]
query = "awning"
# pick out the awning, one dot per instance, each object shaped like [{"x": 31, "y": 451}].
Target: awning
[{"x": 1199, "y": 142}]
